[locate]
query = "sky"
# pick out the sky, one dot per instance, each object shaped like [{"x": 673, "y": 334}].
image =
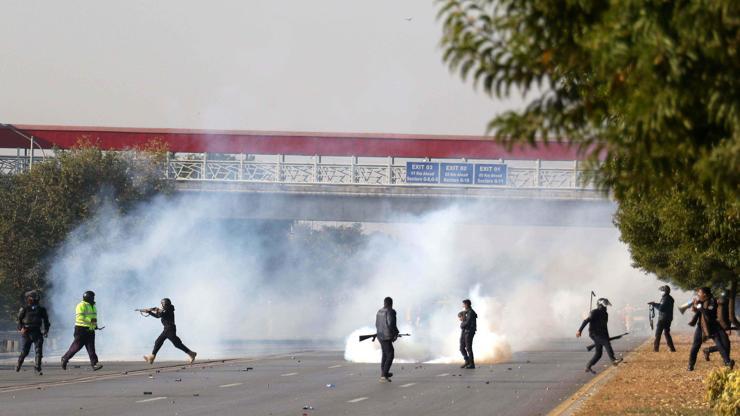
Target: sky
[{"x": 320, "y": 65}]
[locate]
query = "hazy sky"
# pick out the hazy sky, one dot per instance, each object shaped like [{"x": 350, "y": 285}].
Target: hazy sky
[{"x": 319, "y": 65}]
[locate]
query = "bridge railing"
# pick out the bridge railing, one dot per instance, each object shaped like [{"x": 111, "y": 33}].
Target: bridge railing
[
  {"x": 352, "y": 173},
  {"x": 523, "y": 174}
]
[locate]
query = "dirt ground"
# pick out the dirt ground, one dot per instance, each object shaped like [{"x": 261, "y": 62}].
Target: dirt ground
[{"x": 650, "y": 383}]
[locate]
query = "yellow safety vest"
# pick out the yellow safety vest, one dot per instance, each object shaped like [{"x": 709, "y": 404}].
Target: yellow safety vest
[{"x": 86, "y": 315}]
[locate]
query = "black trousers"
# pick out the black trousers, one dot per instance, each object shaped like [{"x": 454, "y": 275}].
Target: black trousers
[
  {"x": 35, "y": 338},
  {"x": 170, "y": 333},
  {"x": 663, "y": 327},
  {"x": 84, "y": 337},
  {"x": 466, "y": 346},
  {"x": 602, "y": 342},
  {"x": 727, "y": 346},
  {"x": 720, "y": 341},
  {"x": 387, "y": 359}
]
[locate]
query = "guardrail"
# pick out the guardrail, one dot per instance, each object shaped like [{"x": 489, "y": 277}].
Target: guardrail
[{"x": 201, "y": 168}]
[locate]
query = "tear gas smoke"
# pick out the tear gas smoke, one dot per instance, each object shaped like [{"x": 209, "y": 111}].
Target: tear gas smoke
[{"x": 235, "y": 281}]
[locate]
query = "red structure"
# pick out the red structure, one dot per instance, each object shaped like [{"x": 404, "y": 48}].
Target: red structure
[{"x": 255, "y": 142}]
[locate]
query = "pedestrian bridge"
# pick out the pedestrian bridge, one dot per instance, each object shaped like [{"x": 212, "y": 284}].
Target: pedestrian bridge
[{"x": 495, "y": 186}]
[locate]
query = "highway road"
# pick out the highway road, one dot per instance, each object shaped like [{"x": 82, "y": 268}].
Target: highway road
[{"x": 302, "y": 383}]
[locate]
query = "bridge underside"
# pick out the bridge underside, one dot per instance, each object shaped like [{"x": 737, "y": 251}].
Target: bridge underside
[{"x": 382, "y": 204}]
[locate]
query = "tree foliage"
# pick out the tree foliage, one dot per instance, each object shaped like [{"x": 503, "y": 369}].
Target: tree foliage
[
  {"x": 649, "y": 92},
  {"x": 41, "y": 206},
  {"x": 650, "y": 86}
]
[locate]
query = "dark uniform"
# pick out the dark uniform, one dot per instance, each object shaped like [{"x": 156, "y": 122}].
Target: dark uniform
[
  {"x": 723, "y": 318},
  {"x": 468, "y": 327},
  {"x": 665, "y": 317},
  {"x": 169, "y": 332},
  {"x": 33, "y": 323},
  {"x": 599, "y": 333},
  {"x": 387, "y": 333},
  {"x": 705, "y": 315}
]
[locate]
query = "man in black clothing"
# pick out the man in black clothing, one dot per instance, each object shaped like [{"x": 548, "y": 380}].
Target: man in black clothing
[
  {"x": 467, "y": 332},
  {"x": 665, "y": 317},
  {"x": 599, "y": 333},
  {"x": 33, "y": 324},
  {"x": 723, "y": 318},
  {"x": 167, "y": 316},
  {"x": 387, "y": 333},
  {"x": 705, "y": 315}
]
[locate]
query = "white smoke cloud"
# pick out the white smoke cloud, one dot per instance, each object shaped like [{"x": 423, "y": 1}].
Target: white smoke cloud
[{"x": 234, "y": 281}]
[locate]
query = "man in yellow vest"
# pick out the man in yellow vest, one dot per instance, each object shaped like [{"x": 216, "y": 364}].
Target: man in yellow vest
[{"x": 86, "y": 322}]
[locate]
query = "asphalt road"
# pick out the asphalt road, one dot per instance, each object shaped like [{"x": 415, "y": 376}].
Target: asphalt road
[{"x": 533, "y": 383}]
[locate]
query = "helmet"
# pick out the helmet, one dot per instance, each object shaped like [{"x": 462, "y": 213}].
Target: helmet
[
  {"x": 89, "y": 296},
  {"x": 166, "y": 302},
  {"x": 666, "y": 289},
  {"x": 603, "y": 302},
  {"x": 33, "y": 295}
]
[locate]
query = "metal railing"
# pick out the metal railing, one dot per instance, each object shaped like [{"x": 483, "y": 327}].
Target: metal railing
[{"x": 201, "y": 168}]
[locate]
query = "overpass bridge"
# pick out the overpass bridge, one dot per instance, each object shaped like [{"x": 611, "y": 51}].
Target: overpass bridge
[{"x": 351, "y": 177}]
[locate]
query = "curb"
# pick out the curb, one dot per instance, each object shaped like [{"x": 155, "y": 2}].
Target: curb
[{"x": 571, "y": 404}]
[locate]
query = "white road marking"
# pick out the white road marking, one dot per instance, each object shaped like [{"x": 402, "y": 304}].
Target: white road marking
[
  {"x": 230, "y": 385},
  {"x": 153, "y": 399},
  {"x": 335, "y": 366},
  {"x": 359, "y": 399},
  {"x": 443, "y": 375},
  {"x": 407, "y": 385},
  {"x": 288, "y": 374}
]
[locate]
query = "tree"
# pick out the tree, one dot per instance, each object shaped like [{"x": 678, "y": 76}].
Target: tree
[
  {"x": 648, "y": 91},
  {"x": 42, "y": 206},
  {"x": 650, "y": 87}
]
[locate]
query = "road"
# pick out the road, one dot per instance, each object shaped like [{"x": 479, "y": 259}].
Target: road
[{"x": 532, "y": 383}]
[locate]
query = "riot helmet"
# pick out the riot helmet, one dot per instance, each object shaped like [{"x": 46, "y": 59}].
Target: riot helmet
[
  {"x": 666, "y": 289},
  {"x": 166, "y": 303},
  {"x": 89, "y": 297},
  {"x": 603, "y": 302},
  {"x": 33, "y": 296}
]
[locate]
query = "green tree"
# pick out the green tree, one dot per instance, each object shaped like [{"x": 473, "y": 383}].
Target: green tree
[
  {"x": 650, "y": 86},
  {"x": 649, "y": 92},
  {"x": 42, "y": 206}
]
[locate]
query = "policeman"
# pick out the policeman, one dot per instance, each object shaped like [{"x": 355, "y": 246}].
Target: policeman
[
  {"x": 387, "y": 333},
  {"x": 723, "y": 318},
  {"x": 33, "y": 324},
  {"x": 167, "y": 316},
  {"x": 599, "y": 333},
  {"x": 705, "y": 314},
  {"x": 86, "y": 322},
  {"x": 467, "y": 332},
  {"x": 665, "y": 317}
]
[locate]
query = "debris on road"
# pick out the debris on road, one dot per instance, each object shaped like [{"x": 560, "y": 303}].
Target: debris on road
[
  {"x": 331, "y": 386},
  {"x": 147, "y": 393}
]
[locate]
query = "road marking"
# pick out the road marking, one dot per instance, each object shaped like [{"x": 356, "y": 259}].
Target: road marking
[
  {"x": 335, "y": 366},
  {"x": 359, "y": 399},
  {"x": 443, "y": 375},
  {"x": 407, "y": 385},
  {"x": 230, "y": 385},
  {"x": 153, "y": 399},
  {"x": 288, "y": 374}
]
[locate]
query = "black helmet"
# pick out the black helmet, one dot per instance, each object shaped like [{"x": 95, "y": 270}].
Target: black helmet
[
  {"x": 89, "y": 296},
  {"x": 166, "y": 302},
  {"x": 666, "y": 289}
]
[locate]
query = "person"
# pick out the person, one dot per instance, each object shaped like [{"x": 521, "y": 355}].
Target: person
[
  {"x": 704, "y": 307},
  {"x": 467, "y": 332},
  {"x": 387, "y": 333},
  {"x": 167, "y": 316},
  {"x": 86, "y": 322},
  {"x": 599, "y": 333},
  {"x": 723, "y": 318},
  {"x": 33, "y": 324},
  {"x": 665, "y": 317}
]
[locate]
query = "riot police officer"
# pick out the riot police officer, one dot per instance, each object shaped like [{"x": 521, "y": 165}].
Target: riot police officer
[
  {"x": 33, "y": 324},
  {"x": 167, "y": 316},
  {"x": 387, "y": 333},
  {"x": 599, "y": 333},
  {"x": 468, "y": 327},
  {"x": 86, "y": 322}
]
